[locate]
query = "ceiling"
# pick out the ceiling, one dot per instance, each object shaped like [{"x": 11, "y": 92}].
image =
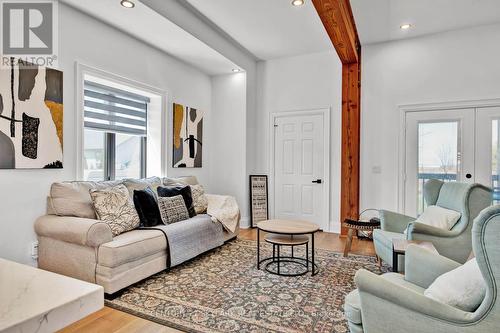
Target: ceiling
[
  {"x": 380, "y": 20},
  {"x": 157, "y": 31},
  {"x": 269, "y": 29}
]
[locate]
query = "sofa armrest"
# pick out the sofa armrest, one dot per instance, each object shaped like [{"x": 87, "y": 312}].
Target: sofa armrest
[
  {"x": 411, "y": 303},
  {"x": 75, "y": 230},
  {"x": 422, "y": 266},
  {"x": 425, "y": 229},
  {"x": 394, "y": 222}
]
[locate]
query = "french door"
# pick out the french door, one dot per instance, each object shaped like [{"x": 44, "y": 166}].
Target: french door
[{"x": 450, "y": 145}]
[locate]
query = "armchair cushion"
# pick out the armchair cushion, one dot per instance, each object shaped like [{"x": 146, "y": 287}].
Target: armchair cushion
[
  {"x": 385, "y": 237},
  {"x": 76, "y": 230},
  {"x": 422, "y": 267},
  {"x": 463, "y": 287},
  {"x": 439, "y": 217},
  {"x": 352, "y": 307}
]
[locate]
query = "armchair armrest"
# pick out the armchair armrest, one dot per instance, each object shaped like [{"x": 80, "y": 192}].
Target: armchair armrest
[
  {"x": 370, "y": 284},
  {"x": 425, "y": 229},
  {"x": 394, "y": 222},
  {"x": 81, "y": 231},
  {"x": 422, "y": 267}
]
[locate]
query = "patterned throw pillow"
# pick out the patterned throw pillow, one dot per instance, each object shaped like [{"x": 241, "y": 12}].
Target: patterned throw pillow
[
  {"x": 200, "y": 201},
  {"x": 173, "y": 209},
  {"x": 184, "y": 190},
  {"x": 114, "y": 207}
]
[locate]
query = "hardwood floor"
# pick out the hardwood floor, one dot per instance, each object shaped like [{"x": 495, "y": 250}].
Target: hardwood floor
[{"x": 114, "y": 321}]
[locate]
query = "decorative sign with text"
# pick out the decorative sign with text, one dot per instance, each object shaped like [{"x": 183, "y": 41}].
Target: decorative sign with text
[{"x": 258, "y": 199}]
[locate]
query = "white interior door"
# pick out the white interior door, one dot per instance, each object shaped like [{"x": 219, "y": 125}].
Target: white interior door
[
  {"x": 439, "y": 145},
  {"x": 488, "y": 149},
  {"x": 299, "y": 163}
]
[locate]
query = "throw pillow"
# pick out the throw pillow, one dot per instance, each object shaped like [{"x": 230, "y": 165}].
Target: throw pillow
[
  {"x": 184, "y": 180},
  {"x": 439, "y": 217},
  {"x": 185, "y": 191},
  {"x": 147, "y": 207},
  {"x": 463, "y": 287},
  {"x": 200, "y": 201},
  {"x": 173, "y": 209},
  {"x": 114, "y": 207},
  {"x": 141, "y": 184}
]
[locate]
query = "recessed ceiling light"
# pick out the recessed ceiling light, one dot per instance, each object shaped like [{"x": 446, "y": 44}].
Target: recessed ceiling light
[
  {"x": 236, "y": 70},
  {"x": 297, "y": 3},
  {"x": 405, "y": 26},
  {"x": 127, "y": 4}
]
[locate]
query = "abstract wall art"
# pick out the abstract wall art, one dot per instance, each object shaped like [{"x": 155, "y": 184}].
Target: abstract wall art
[
  {"x": 31, "y": 116},
  {"x": 187, "y": 137}
]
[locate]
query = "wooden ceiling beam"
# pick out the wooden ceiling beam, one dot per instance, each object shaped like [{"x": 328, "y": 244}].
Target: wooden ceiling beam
[{"x": 338, "y": 20}]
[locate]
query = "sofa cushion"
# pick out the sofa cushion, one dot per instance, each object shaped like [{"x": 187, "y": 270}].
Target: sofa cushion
[
  {"x": 130, "y": 246},
  {"x": 187, "y": 180},
  {"x": 141, "y": 184},
  {"x": 147, "y": 207},
  {"x": 114, "y": 206},
  {"x": 185, "y": 191},
  {"x": 73, "y": 198}
]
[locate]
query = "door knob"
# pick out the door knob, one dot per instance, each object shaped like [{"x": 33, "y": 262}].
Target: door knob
[
  {"x": 317, "y": 181},
  {"x": 468, "y": 176}
]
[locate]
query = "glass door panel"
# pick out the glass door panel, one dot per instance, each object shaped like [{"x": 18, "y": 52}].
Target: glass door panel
[
  {"x": 435, "y": 149},
  {"x": 488, "y": 149},
  {"x": 438, "y": 154}
]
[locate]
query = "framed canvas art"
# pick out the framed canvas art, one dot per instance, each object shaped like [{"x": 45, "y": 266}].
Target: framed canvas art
[
  {"x": 31, "y": 116},
  {"x": 187, "y": 137},
  {"x": 259, "y": 202}
]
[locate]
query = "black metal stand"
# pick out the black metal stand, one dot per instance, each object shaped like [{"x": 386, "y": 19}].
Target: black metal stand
[{"x": 277, "y": 259}]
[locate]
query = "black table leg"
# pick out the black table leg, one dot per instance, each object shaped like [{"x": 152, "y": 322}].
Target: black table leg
[
  {"x": 394, "y": 261},
  {"x": 312, "y": 254},
  {"x": 258, "y": 248},
  {"x": 307, "y": 256},
  {"x": 278, "y": 259}
]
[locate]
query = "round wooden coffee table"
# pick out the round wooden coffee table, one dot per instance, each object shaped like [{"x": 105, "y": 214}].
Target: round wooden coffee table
[{"x": 287, "y": 233}]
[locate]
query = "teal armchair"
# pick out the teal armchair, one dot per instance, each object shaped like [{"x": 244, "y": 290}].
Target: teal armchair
[
  {"x": 456, "y": 244},
  {"x": 394, "y": 302}
]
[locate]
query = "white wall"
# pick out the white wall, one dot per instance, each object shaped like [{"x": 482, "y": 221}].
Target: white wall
[
  {"x": 227, "y": 155},
  {"x": 23, "y": 192},
  {"x": 307, "y": 82},
  {"x": 187, "y": 17},
  {"x": 451, "y": 66}
]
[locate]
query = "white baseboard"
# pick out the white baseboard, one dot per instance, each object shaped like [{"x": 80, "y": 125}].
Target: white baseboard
[
  {"x": 245, "y": 222},
  {"x": 335, "y": 227}
]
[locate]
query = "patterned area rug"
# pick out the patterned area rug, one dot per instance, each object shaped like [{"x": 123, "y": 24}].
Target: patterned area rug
[{"x": 222, "y": 291}]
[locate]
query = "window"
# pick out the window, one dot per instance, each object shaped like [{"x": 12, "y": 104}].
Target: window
[{"x": 115, "y": 122}]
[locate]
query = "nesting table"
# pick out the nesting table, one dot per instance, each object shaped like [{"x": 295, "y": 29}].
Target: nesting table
[{"x": 290, "y": 233}]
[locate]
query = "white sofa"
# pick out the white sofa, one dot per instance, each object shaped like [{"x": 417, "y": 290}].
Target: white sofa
[{"x": 74, "y": 243}]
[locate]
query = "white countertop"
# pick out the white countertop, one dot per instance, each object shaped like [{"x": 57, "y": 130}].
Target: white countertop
[{"x": 34, "y": 300}]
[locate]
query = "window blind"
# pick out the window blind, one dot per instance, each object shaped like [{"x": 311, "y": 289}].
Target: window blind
[{"x": 114, "y": 110}]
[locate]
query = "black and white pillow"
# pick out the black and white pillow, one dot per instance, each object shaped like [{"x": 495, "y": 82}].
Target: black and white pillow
[{"x": 173, "y": 209}]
